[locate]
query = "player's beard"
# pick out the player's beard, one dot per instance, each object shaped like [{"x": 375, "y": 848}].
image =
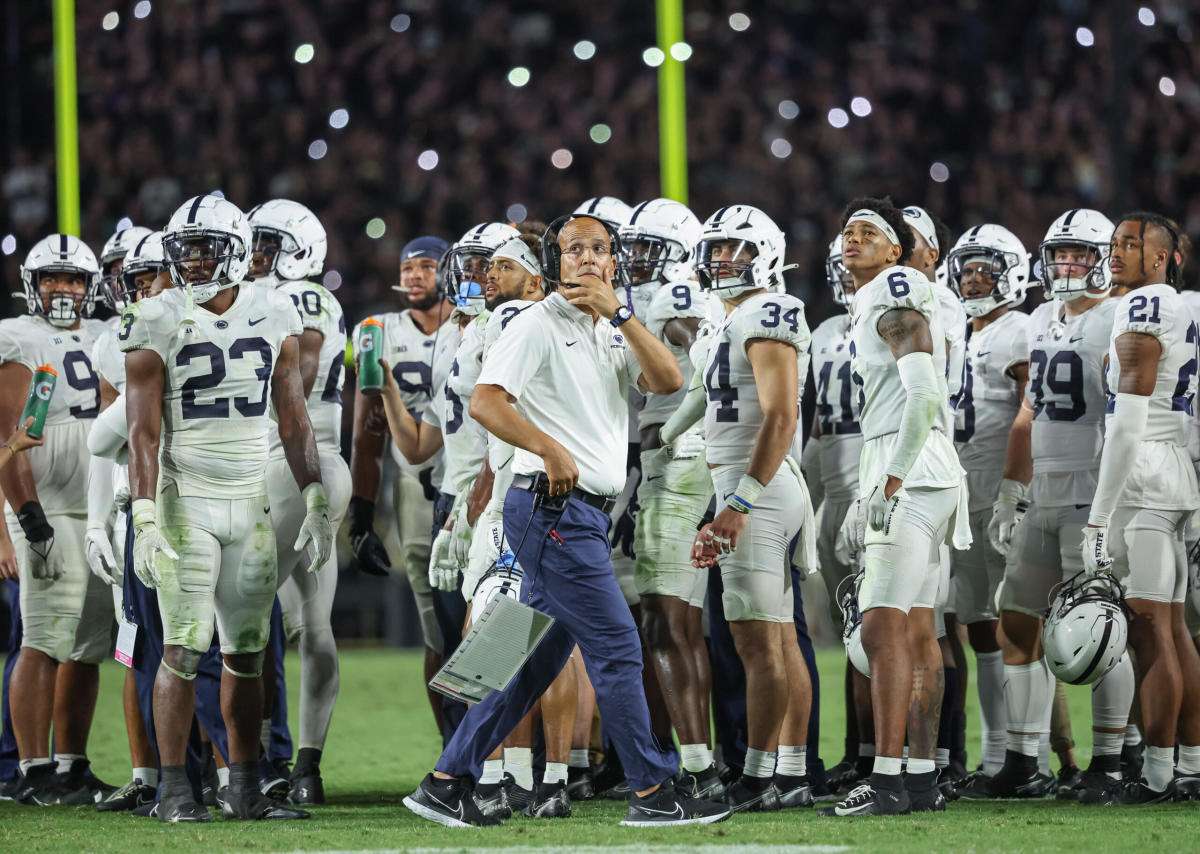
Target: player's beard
[{"x": 424, "y": 303}]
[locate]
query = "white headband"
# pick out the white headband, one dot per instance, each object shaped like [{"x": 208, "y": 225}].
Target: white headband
[
  {"x": 867, "y": 215},
  {"x": 923, "y": 223},
  {"x": 516, "y": 250}
]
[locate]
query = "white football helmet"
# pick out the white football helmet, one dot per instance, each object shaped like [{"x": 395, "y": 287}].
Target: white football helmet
[
  {"x": 1008, "y": 264},
  {"x": 608, "y": 209},
  {"x": 1086, "y": 631},
  {"x": 146, "y": 256},
  {"x": 503, "y": 578},
  {"x": 741, "y": 249},
  {"x": 657, "y": 243},
  {"x": 60, "y": 253},
  {"x": 207, "y": 230},
  {"x": 847, "y": 596},
  {"x": 836, "y": 274},
  {"x": 114, "y": 251},
  {"x": 290, "y": 238},
  {"x": 1081, "y": 228},
  {"x": 468, "y": 264}
]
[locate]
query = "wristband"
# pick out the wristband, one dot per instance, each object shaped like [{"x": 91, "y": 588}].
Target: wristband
[
  {"x": 143, "y": 511},
  {"x": 33, "y": 522},
  {"x": 746, "y": 495},
  {"x": 314, "y": 497}
]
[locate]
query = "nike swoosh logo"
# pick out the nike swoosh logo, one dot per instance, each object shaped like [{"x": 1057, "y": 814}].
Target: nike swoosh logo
[
  {"x": 653, "y": 477},
  {"x": 1075, "y": 339},
  {"x": 678, "y": 811},
  {"x": 458, "y": 812},
  {"x": 260, "y": 320},
  {"x": 572, "y": 343},
  {"x": 984, "y": 353}
]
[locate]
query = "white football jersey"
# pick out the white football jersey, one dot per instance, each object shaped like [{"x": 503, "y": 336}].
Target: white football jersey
[
  {"x": 60, "y": 465},
  {"x": 319, "y": 310},
  {"x": 217, "y": 390},
  {"x": 1157, "y": 310},
  {"x": 733, "y": 415},
  {"x": 1192, "y": 300},
  {"x": 1068, "y": 394},
  {"x": 883, "y": 394},
  {"x": 673, "y": 301},
  {"x": 987, "y": 403},
  {"x": 837, "y": 407},
  {"x": 500, "y": 454},
  {"x": 954, "y": 331},
  {"x": 464, "y": 440},
  {"x": 108, "y": 360}
]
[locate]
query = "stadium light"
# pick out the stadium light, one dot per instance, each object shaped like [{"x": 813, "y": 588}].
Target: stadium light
[
  {"x": 939, "y": 172},
  {"x": 376, "y": 227},
  {"x": 838, "y": 117},
  {"x": 585, "y": 50},
  {"x": 739, "y": 22},
  {"x": 681, "y": 51},
  {"x": 332, "y": 280},
  {"x": 781, "y": 148},
  {"x": 317, "y": 149},
  {"x": 304, "y": 54},
  {"x": 428, "y": 159},
  {"x": 562, "y": 158},
  {"x": 518, "y": 76},
  {"x": 142, "y": 9},
  {"x": 860, "y": 106},
  {"x": 1146, "y": 16},
  {"x": 1167, "y": 86},
  {"x": 339, "y": 118},
  {"x": 789, "y": 109},
  {"x": 110, "y": 21},
  {"x": 516, "y": 212},
  {"x": 653, "y": 57},
  {"x": 400, "y": 23},
  {"x": 1085, "y": 37},
  {"x": 9, "y": 244},
  {"x": 600, "y": 133}
]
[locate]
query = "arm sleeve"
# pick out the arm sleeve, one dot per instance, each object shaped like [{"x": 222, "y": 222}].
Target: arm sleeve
[
  {"x": 110, "y": 431},
  {"x": 1121, "y": 439},
  {"x": 920, "y": 408},
  {"x": 689, "y": 412},
  {"x": 100, "y": 491}
]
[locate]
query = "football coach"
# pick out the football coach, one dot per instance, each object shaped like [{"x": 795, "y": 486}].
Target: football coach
[{"x": 554, "y": 386}]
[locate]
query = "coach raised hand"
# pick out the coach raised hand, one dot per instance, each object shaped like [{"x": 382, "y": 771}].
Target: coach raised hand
[{"x": 555, "y": 388}]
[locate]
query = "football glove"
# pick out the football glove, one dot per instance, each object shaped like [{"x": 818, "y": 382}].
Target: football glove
[
  {"x": 624, "y": 528},
  {"x": 443, "y": 574},
  {"x": 1095, "y": 550},
  {"x": 1011, "y": 503},
  {"x": 315, "y": 528},
  {"x": 459, "y": 553},
  {"x": 45, "y": 563},
  {"x": 148, "y": 543},
  {"x": 851, "y": 535},
  {"x": 880, "y": 509},
  {"x": 369, "y": 553},
  {"x": 100, "y": 558},
  {"x": 687, "y": 447}
]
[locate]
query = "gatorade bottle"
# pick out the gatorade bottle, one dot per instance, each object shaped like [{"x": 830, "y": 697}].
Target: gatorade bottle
[
  {"x": 38, "y": 404},
  {"x": 370, "y": 345}
]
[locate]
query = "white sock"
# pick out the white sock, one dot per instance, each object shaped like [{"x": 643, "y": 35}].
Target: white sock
[
  {"x": 1028, "y": 694},
  {"x": 148, "y": 776},
  {"x": 64, "y": 761},
  {"x": 889, "y": 765},
  {"x": 759, "y": 763},
  {"x": 556, "y": 772},
  {"x": 942, "y": 758},
  {"x": 1133, "y": 736},
  {"x": 695, "y": 757},
  {"x": 921, "y": 766},
  {"x": 792, "y": 761},
  {"x": 989, "y": 679},
  {"x": 493, "y": 771},
  {"x": 1158, "y": 766},
  {"x": 579, "y": 758},
  {"x": 26, "y": 764},
  {"x": 1189, "y": 758},
  {"x": 222, "y": 777},
  {"x": 264, "y": 735},
  {"x": 518, "y": 761}
]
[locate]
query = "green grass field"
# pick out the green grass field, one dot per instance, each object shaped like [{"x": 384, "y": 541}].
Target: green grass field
[{"x": 383, "y": 741}]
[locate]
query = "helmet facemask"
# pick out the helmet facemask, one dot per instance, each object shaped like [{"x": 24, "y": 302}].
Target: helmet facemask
[
  {"x": 468, "y": 267},
  {"x": 838, "y": 278},
  {"x": 201, "y": 262},
  {"x": 60, "y": 304},
  {"x": 996, "y": 266},
  {"x": 644, "y": 258},
  {"x": 726, "y": 265},
  {"x": 1066, "y": 280}
]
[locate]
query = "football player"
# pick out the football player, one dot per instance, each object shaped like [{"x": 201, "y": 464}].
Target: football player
[
  {"x": 912, "y": 500},
  {"x": 1049, "y": 479},
  {"x": 410, "y": 338},
  {"x": 112, "y": 260},
  {"x": 988, "y": 269},
  {"x": 289, "y": 251},
  {"x": 752, "y": 382},
  {"x": 203, "y": 361},
  {"x": 65, "y": 610},
  {"x": 1147, "y": 488}
]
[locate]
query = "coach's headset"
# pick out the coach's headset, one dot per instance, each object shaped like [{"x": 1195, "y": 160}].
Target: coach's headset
[{"x": 552, "y": 253}]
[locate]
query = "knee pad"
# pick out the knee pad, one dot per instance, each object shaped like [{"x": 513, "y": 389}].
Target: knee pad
[
  {"x": 183, "y": 662},
  {"x": 737, "y": 606},
  {"x": 255, "y": 662}
]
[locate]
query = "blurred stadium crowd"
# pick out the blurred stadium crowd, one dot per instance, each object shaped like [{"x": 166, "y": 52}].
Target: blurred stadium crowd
[{"x": 1005, "y": 112}]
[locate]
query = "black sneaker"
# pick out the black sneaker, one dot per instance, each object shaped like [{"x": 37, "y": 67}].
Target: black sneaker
[
  {"x": 928, "y": 799},
  {"x": 579, "y": 784},
  {"x": 705, "y": 784},
  {"x": 273, "y": 778},
  {"x": 149, "y": 810},
  {"x": 492, "y": 800},
  {"x": 306, "y": 789},
  {"x": 41, "y": 787},
  {"x": 743, "y": 796},
  {"x": 1139, "y": 793},
  {"x": 1131, "y": 761},
  {"x": 865, "y": 800},
  {"x": 1072, "y": 788},
  {"x": 792, "y": 791},
  {"x": 1005, "y": 785},
  {"x": 1069, "y": 777},
  {"x": 1098, "y": 789},
  {"x": 253, "y": 805},
  {"x": 666, "y": 807},
  {"x": 11, "y": 786},
  {"x": 84, "y": 786},
  {"x": 130, "y": 796},
  {"x": 447, "y": 802},
  {"x": 1187, "y": 786},
  {"x": 551, "y": 801},
  {"x": 181, "y": 811}
]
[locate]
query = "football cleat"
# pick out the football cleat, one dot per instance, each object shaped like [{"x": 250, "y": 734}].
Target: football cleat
[
  {"x": 130, "y": 796},
  {"x": 447, "y": 802},
  {"x": 492, "y": 799},
  {"x": 704, "y": 784},
  {"x": 1138, "y": 793},
  {"x": 1131, "y": 760},
  {"x": 1005, "y": 784},
  {"x": 1069, "y": 779},
  {"x": 551, "y": 801},
  {"x": 84, "y": 786},
  {"x": 41, "y": 787},
  {"x": 792, "y": 791},
  {"x": 181, "y": 811},
  {"x": 255, "y": 806},
  {"x": 1095, "y": 789},
  {"x": 744, "y": 796},
  {"x": 273, "y": 778},
  {"x": 865, "y": 800},
  {"x": 928, "y": 799},
  {"x": 306, "y": 789},
  {"x": 845, "y": 775},
  {"x": 149, "y": 810},
  {"x": 667, "y": 807},
  {"x": 517, "y": 797},
  {"x": 579, "y": 784}
]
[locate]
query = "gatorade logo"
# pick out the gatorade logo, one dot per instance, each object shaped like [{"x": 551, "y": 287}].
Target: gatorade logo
[
  {"x": 367, "y": 344},
  {"x": 43, "y": 390}
]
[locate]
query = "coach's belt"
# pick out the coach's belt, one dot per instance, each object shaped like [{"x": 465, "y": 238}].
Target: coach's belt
[{"x": 539, "y": 485}]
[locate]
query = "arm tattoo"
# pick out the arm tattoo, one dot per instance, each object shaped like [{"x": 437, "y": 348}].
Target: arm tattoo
[
  {"x": 905, "y": 331},
  {"x": 1138, "y": 355}
]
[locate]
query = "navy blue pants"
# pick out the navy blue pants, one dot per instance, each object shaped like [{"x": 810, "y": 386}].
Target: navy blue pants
[
  {"x": 281, "y": 737},
  {"x": 568, "y": 575},
  {"x": 9, "y": 757},
  {"x": 729, "y": 682},
  {"x": 450, "y": 611}
]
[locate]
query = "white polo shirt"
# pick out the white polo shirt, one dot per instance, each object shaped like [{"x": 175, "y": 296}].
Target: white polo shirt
[{"x": 569, "y": 377}]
